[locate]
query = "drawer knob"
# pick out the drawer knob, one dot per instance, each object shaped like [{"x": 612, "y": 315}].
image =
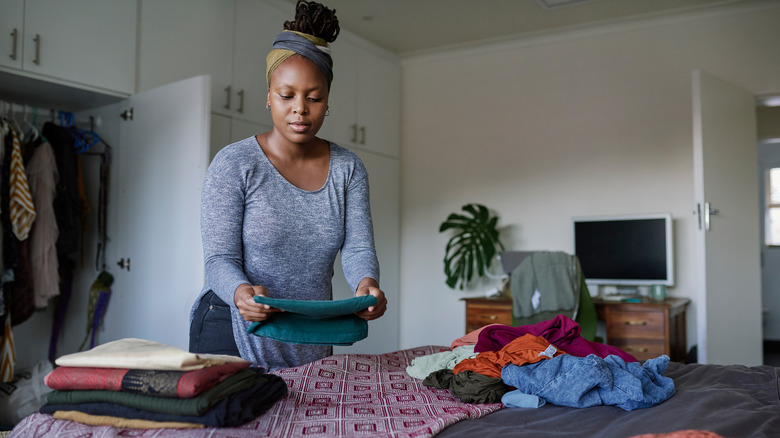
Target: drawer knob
[{"x": 636, "y": 323}]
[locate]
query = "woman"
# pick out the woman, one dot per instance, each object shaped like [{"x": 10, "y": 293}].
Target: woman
[{"x": 279, "y": 206}]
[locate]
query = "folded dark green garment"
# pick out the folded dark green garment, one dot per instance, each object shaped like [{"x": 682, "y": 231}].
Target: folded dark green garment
[
  {"x": 314, "y": 322},
  {"x": 179, "y": 406}
]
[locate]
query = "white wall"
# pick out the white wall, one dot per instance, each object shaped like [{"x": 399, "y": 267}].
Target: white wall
[{"x": 543, "y": 129}]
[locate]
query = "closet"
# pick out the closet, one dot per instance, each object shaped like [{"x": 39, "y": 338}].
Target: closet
[{"x": 160, "y": 155}]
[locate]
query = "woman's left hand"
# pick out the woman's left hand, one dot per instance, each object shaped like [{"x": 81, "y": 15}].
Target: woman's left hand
[{"x": 377, "y": 310}]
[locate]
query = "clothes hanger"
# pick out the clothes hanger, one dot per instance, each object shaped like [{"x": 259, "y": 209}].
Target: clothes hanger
[
  {"x": 32, "y": 133},
  {"x": 15, "y": 123},
  {"x": 83, "y": 139}
]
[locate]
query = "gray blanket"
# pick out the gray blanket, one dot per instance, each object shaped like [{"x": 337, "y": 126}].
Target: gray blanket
[{"x": 732, "y": 401}]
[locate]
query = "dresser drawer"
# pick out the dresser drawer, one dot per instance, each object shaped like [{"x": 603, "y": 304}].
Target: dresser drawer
[
  {"x": 642, "y": 349},
  {"x": 636, "y": 324},
  {"x": 478, "y": 316}
]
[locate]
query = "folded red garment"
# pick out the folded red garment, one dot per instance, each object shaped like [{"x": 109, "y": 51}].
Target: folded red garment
[{"x": 172, "y": 384}]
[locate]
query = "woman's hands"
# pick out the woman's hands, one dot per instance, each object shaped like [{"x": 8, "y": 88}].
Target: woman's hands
[
  {"x": 253, "y": 312},
  {"x": 249, "y": 309},
  {"x": 369, "y": 286}
]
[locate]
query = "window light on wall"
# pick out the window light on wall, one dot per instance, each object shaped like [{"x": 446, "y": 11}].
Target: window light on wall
[{"x": 773, "y": 207}]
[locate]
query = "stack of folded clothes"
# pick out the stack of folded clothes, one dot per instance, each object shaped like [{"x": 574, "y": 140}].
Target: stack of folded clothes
[{"x": 135, "y": 383}]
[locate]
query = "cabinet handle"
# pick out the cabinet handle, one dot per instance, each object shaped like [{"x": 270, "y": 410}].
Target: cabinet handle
[
  {"x": 490, "y": 317},
  {"x": 37, "y": 59},
  {"x": 637, "y": 350},
  {"x": 240, "y": 101},
  {"x": 227, "y": 91},
  {"x": 354, "y": 133},
  {"x": 15, "y": 42},
  {"x": 635, "y": 323},
  {"x": 362, "y": 135},
  {"x": 124, "y": 265}
]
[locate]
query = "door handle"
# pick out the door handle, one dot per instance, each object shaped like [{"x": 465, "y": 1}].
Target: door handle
[
  {"x": 708, "y": 211},
  {"x": 37, "y": 59},
  {"x": 227, "y": 103},
  {"x": 240, "y": 101},
  {"x": 14, "y": 42}
]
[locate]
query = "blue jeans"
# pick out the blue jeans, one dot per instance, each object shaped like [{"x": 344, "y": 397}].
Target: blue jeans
[{"x": 211, "y": 329}]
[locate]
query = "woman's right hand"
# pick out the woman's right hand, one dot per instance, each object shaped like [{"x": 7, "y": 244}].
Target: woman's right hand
[{"x": 249, "y": 309}]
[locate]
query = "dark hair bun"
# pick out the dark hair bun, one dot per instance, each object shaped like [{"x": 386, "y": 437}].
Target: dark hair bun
[{"x": 315, "y": 19}]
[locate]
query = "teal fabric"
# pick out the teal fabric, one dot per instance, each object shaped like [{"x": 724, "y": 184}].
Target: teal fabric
[{"x": 314, "y": 322}]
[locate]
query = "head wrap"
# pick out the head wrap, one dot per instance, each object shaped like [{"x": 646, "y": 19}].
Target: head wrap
[{"x": 313, "y": 48}]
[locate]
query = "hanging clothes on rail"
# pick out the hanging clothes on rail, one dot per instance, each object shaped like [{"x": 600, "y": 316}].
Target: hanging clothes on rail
[
  {"x": 17, "y": 269},
  {"x": 42, "y": 176},
  {"x": 67, "y": 202},
  {"x": 21, "y": 206}
]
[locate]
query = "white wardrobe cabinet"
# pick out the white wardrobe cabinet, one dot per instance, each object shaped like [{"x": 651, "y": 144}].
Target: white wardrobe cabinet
[
  {"x": 225, "y": 39},
  {"x": 84, "y": 43},
  {"x": 226, "y": 130},
  {"x": 256, "y": 25},
  {"x": 364, "y": 101},
  {"x": 179, "y": 39}
]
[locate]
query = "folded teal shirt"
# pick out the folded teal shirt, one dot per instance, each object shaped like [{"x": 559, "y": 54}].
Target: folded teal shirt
[{"x": 314, "y": 322}]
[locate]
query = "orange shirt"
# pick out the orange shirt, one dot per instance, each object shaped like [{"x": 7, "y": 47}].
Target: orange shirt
[{"x": 525, "y": 349}]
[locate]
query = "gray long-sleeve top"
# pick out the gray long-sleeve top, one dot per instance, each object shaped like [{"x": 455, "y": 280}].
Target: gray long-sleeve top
[{"x": 258, "y": 228}]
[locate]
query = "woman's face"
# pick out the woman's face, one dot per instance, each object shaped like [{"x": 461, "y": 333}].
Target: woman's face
[{"x": 298, "y": 96}]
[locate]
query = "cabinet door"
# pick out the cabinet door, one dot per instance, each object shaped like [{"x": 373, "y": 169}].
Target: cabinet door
[
  {"x": 11, "y": 32},
  {"x": 341, "y": 124},
  {"x": 226, "y": 130},
  {"x": 241, "y": 129},
  {"x": 364, "y": 101},
  {"x": 256, "y": 25},
  {"x": 383, "y": 177},
  {"x": 161, "y": 160},
  {"x": 89, "y": 42},
  {"x": 220, "y": 134},
  {"x": 185, "y": 38},
  {"x": 379, "y": 103}
]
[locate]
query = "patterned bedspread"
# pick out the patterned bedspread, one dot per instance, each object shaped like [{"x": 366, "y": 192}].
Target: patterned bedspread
[{"x": 347, "y": 395}]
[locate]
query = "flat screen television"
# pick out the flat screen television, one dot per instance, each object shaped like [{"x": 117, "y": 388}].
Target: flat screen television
[{"x": 636, "y": 250}]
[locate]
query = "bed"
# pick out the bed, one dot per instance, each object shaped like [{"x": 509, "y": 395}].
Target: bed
[{"x": 372, "y": 395}]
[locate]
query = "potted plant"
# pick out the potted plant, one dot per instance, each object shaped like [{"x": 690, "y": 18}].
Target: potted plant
[{"x": 473, "y": 246}]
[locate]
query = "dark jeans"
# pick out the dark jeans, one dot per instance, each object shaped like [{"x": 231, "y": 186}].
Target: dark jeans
[{"x": 211, "y": 330}]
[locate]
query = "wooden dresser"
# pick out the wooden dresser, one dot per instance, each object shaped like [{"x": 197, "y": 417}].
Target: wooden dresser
[
  {"x": 483, "y": 311},
  {"x": 646, "y": 329}
]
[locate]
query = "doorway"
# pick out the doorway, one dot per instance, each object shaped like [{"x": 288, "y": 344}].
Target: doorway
[{"x": 768, "y": 124}]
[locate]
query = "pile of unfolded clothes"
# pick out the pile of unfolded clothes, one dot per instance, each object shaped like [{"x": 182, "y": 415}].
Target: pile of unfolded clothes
[
  {"x": 531, "y": 365},
  {"x": 135, "y": 383}
]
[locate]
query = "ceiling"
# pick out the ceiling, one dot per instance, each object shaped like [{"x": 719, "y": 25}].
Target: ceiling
[{"x": 408, "y": 27}]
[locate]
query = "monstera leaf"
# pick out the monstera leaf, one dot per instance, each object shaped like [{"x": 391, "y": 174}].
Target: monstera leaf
[{"x": 473, "y": 246}]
